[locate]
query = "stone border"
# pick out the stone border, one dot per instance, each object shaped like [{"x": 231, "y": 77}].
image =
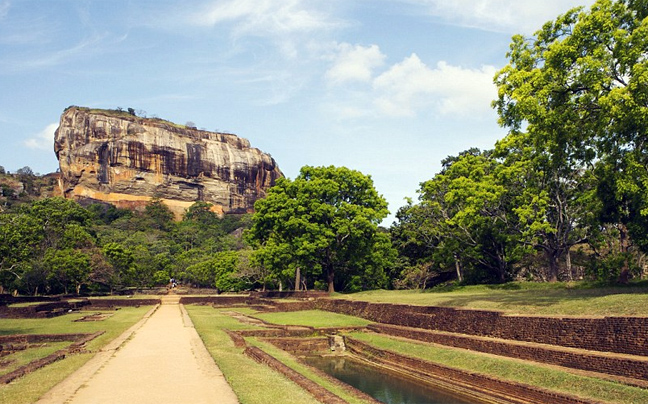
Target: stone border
[
  {"x": 61, "y": 392},
  {"x": 43, "y": 310},
  {"x": 635, "y": 367},
  {"x": 320, "y": 393},
  {"x": 459, "y": 380},
  {"x": 113, "y": 303},
  {"x": 626, "y": 335},
  {"x": 79, "y": 341}
]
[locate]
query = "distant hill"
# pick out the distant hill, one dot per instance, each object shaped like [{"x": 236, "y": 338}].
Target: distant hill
[{"x": 25, "y": 186}]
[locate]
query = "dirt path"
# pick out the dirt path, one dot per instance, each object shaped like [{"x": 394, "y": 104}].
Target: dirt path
[{"x": 160, "y": 360}]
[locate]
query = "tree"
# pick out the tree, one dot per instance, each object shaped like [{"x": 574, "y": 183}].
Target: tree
[
  {"x": 575, "y": 96},
  {"x": 158, "y": 214},
  {"x": 121, "y": 260},
  {"x": 201, "y": 212},
  {"x": 324, "y": 223},
  {"x": 27, "y": 177},
  {"x": 67, "y": 267},
  {"x": 469, "y": 219},
  {"x": 55, "y": 215},
  {"x": 20, "y": 239}
]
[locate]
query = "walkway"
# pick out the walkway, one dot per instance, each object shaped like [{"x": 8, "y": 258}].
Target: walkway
[{"x": 159, "y": 360}]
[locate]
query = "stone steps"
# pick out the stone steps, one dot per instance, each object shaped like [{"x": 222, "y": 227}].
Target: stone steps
[{"x": 624, "y": 368}]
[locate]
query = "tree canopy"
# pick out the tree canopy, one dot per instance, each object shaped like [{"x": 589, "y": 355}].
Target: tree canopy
[
  {"x": 324, "y": 224},
  {"x": 575, "y": 97}
]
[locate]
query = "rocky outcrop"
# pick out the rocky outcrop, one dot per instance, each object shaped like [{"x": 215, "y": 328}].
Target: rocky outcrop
[{"x": 116, "y": 157}]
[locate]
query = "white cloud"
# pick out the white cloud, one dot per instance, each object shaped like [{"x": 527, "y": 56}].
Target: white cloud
[
  {"x": 510, "y": 16},
  {"x": 354, "y": 63},
  {"x": 262, "y": 17},
  {"x": 44, "y": 140},
  {"x": 411, "y": 86}
]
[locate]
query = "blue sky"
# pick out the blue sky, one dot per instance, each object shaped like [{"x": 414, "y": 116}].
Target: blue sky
[{"x": 386, "y": 87}]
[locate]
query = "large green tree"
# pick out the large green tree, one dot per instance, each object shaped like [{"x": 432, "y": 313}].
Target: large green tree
[
  {"x": 324, "y": 224},
  {"x": 466, "y": 221},
  {"x": 575, "y": 96}
]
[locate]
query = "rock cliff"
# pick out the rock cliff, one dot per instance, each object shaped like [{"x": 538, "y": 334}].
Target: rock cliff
[{"x": 116, "y": 157}]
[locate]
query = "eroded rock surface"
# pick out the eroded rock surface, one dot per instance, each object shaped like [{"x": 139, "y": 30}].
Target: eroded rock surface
[{"x": 115, "y": 157}]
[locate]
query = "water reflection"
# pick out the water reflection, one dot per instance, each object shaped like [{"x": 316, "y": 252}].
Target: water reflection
[{"x": 387, "y": 388}]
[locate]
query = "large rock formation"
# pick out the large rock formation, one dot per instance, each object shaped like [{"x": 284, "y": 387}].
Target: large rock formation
[{"x": 116, "y": 157}]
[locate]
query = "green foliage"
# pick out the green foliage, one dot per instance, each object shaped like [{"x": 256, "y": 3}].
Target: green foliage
[
  {"x": 464, "y": 223},
  {"x": 158, "y": 214},
  {"x": 219, "y": 272},
  {"x": 67, "y": 268},
  {"x": 323, "y": 223},
  {"x": 574, "y": 97}
]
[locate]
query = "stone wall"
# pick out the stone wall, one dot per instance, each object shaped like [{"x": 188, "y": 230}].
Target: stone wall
[
  {"x": 462, "y": 381},
  {"x": 319, "y": 392},
  {"x": 302, "y": 346},
  {"x": 43, "y": 310},
  {"x": 628, "y": 335},
  {"x": 291, "y": 294},
  {"x": 620, "y": 366},
  {"x": 217, "y": 300},
  {"x": 112, "y": 303}
]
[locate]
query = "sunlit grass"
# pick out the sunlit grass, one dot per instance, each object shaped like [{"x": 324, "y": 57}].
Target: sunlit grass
[
  {"x": 252, "y": 382},
  {"x": 313, "y": 318},
  {"x": 528, "y": 298},
  {"x": 25, "y": 356}
]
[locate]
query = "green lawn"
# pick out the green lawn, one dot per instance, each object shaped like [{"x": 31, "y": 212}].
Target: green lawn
[
  {"x": 524, "y": 298},
  {"x": 252, "y": 382},
  {"x": 29, "y": 388},
  {"x": 313, "y": 318}
]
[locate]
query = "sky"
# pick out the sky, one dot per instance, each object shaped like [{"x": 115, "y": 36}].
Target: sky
[{"x": 385, "y": 87}]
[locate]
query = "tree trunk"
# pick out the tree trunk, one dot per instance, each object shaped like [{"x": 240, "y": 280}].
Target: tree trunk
[
  {"x": 458, "y": 268},
  {"x": 569, "y": 265},
  {"x": 330, "y": 275},
  {"x": 624, "y": 275},
  {"x": 552, "y": 261},
  {"x": 78, "y": 288},
  {"x": 297, "y": 280}
]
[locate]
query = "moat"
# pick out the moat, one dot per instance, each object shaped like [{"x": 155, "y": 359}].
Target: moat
[{"x": 385, "y": 387}]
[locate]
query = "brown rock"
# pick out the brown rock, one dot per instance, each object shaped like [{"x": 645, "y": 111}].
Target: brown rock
[{"x": 116, "y": 157}]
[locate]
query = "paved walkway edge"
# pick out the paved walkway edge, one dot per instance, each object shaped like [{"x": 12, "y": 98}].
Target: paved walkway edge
[
  {"x": 204, "y": 358},
  {"x": 63, "y": 391}
]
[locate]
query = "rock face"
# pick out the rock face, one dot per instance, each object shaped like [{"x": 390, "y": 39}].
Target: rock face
[{"x": 116, "y": 157}]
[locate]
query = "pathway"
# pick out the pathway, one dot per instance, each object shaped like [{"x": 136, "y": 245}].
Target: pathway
[{"x": 159, "y": 360}]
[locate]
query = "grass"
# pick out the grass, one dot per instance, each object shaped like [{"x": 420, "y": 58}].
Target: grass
[
  {"x": 511, "y": 369},
  {"x": 29, "y": 388},
  {"x": 313, "y": 318},
  {"x": 25, "y": 356},
  {"x": 252, "y": 382},
  {"x": 525, "y": 298}
]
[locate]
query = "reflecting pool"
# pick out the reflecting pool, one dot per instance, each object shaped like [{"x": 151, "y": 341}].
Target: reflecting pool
[{"x": 385, "y": 387}]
